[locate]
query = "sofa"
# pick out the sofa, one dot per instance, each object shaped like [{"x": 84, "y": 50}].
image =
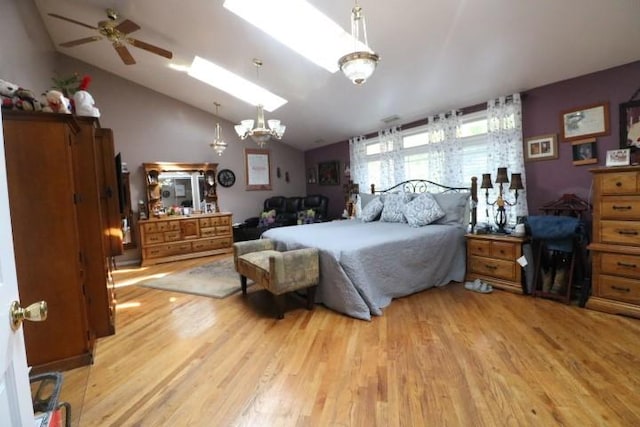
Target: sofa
[{"x": 288, "y": 211}]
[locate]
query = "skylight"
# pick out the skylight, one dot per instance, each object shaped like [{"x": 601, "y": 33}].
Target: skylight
[
  {"x": 218, "y": 77},
  {"x": 301, "y": 27}
]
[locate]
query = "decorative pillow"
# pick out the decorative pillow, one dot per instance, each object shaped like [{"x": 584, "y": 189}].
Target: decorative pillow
[
  {"x": 422, "y": 210},
  {"x": 307, "y": 216},
  {"x": 372, "y": 210},
  {"x": 267, "y": 218},
  {"x": 393, "y": 207},
  {"x": 455, "y": 207}
]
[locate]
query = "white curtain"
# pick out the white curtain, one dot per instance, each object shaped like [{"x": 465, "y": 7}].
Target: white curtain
[
  {"x": 445, "y": 149},
  {"x": 358, "y": 158},
  {"x": 505, "y": 147},
  {"x": 391, "y": 157}
]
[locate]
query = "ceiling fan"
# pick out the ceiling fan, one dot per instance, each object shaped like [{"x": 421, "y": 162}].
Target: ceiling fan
[{"x": 117, "y": 34}]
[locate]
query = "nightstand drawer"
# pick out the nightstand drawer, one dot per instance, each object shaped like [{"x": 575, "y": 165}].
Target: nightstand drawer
[
  {"x": 619, "y": 288},
  {"x": 498, "y": 268},
  {"x": 479, "y": 247},
  {"x": 504, "y": 250}
]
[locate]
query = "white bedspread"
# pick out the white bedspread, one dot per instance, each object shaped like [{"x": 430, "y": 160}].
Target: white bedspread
[{"x": 363, "y": 266}]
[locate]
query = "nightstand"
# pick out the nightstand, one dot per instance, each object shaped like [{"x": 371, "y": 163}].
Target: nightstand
[{"x": 492, "y": 258}]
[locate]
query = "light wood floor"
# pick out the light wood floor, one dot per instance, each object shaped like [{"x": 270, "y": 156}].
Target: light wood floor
[{"x": 445, "y": 356}]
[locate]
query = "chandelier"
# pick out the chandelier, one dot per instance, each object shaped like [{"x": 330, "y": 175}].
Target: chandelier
[
  {"x": 261, "y": 133},
  {"x": 218, "y": 144},
  {"x": 359, "y": 65}
]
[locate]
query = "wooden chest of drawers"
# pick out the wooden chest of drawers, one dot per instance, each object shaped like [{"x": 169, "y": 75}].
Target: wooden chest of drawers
[
  {"x": 492, "y": 258},
  {"x": 181, "y": 237},
  {"x": 615, "y": 244}
]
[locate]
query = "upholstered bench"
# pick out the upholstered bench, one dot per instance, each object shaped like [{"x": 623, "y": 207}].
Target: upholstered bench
[{"x": 278, "y": 272}]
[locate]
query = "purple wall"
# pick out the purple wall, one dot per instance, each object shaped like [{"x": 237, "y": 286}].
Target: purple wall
[
  {"x": 340, "y": 152},
  {"x": 546, "y": 180}
]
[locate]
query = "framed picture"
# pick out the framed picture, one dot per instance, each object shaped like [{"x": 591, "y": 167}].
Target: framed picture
[
  {"x": 619, "y": 157},
  {"x": 630, "y": 126},
  {"x": 329, "y": 173},
  {"x": 584, "y": 151},
  {"x": 585, "y": 122},
  {"x": 543, "y": 147},
  {"x": 312, "y": 177},
  {"x": 257, "y": 169}
]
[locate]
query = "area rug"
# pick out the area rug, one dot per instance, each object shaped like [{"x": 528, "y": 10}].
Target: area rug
[{"x": 217, "y": 279}]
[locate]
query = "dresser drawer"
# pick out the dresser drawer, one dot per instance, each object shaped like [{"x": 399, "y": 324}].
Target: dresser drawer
[
  {"x": 205, "y": 222},
  {"x": 620, "y": 232},
  {"x": 223, "y": 230},
  {"x": 210, "y": 244},
  {"x": 498, "y": 268},
  {"x": 619, "y": 183},
  {"x": 619, "y": 288},
  {"x": 619, "y": 265},
  {"x": 168, "y": 225},
  {"x": 207, "y": 232},
  {"x": 179, "y": 248},
  {"x": 153, "y": 238},
  {"x": 150, "y": 227},
  {"x": 622, "y": 208},
  {"x": 171, "y": 236}
]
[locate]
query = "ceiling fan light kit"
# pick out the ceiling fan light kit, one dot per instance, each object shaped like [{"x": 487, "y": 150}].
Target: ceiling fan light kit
[
  {"x": 358, "y": 66},
  {"x": 117, "y": 34},
  {"x": 261, "y": 134}
]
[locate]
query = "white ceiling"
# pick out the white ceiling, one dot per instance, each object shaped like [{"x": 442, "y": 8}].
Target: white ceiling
[{"x": 436, "y": 55}]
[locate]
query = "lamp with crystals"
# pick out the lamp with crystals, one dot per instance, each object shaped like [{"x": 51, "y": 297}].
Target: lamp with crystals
[
  {"x": 261, "y": 133},
  {"x": 218, "y": 144},
  {"x": 501, "y": 202},
  {"x": 359, "y": 65}
]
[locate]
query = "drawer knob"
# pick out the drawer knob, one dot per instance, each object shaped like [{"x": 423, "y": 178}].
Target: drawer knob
[
  {"x": 618, "y": 184},
  {"x": 617, "y": 288}
]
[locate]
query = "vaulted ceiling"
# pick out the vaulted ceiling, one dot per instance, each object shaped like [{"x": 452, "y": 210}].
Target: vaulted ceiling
[{"x": 436, "y": 55}]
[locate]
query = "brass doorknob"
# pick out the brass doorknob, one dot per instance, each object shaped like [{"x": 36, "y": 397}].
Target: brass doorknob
[{"x": 36, "y": 312}]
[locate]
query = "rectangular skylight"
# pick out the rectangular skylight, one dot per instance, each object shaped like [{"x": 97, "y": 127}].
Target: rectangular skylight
[
  {"x": 301, "y": 27},
  {"x": 234, "y": 85}
]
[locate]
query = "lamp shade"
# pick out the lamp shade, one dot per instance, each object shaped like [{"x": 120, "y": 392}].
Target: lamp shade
[
  {"x": 516, "y": 182},
  {"x": 486, "y": 181},
  {"x": 502, "y": 176}
]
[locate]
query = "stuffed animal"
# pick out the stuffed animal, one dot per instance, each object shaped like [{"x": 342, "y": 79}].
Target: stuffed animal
[
  {"x": 24, "y": 99},
  {"x": 7, "y": 91},
  {"x": 57, "y": 103},
  {"x": 83, "y": 101}
]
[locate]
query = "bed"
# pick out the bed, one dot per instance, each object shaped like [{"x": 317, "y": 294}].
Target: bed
[{"x": 364, "y": 265}]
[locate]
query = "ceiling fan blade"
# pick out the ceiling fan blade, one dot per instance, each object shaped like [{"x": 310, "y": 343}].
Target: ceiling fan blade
[
  {"x": 77, "y": 42},
  {"x": 127, "y": 26},
  {"x": 124, "y": 53},
  {"x": 64, "y": 18},
  {"x": 151, "y": 48}
]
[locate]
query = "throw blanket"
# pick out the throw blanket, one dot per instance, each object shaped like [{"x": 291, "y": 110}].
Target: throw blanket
[{"x": 558, "y": 232}]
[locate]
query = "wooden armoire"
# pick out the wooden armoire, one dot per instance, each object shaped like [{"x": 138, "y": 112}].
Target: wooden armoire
[{"x": 66, "y": 225}]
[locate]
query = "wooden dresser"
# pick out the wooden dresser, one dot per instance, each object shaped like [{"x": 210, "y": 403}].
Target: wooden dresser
[
  {"x": 179, "y": 237},
  {"x": 615, "y": 246},
  {"x": 492, "y": 258}
]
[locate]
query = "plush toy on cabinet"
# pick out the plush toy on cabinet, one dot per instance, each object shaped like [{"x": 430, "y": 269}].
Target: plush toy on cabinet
[
  {"x": 7, "y": 91},
  {"x": 56, "y": 102}
]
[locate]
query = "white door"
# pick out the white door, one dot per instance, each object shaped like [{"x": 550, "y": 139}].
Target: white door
[{"x": 15, "y": 392}]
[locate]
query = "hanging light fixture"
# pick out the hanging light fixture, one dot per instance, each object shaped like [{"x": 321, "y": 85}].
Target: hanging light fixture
[
  {"x": 218, "y": 144},
  {"x": 260, "y": 134},
  {"x": 359, "y": 65}
]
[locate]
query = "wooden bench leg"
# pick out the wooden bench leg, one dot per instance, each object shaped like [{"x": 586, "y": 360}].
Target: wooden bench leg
[
  {"x": 280, "y": 305},
  {"x": 243, "y": 284}
]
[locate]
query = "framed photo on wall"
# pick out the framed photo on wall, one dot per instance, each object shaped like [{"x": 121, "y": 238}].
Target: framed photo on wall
[
  {"x": 257, "y": 169},
  {"x": 312, "y": 176},
  {"x": 329, "y": 173},
  {"x": 585, "y": 122},
  {"x": 543, "y": 147},
  {"x": 584, "y": 151},
  {"x": 630, "y": 126}
]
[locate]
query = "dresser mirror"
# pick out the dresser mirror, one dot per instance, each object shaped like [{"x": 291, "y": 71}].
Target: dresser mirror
[{"x": 184, "y": 185}]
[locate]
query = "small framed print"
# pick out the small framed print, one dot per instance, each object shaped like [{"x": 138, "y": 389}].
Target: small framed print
[
  {"x": 619, "y": 157},
  {"x": 584, "y": 152},
  {"x": 543, "y": 147}
]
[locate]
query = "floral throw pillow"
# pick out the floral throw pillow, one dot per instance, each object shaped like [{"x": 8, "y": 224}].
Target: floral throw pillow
[
  {"x": 372, "y": 210},
  {"x": 422, "y": 210},
  {"x": 267, "y": 218},
  {"x": 394, "y": 206},
  {"x": 306, "y": 217}
]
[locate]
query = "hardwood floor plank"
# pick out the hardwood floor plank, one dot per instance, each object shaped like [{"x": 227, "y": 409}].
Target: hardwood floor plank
[{"x": 445, "y": 356}]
